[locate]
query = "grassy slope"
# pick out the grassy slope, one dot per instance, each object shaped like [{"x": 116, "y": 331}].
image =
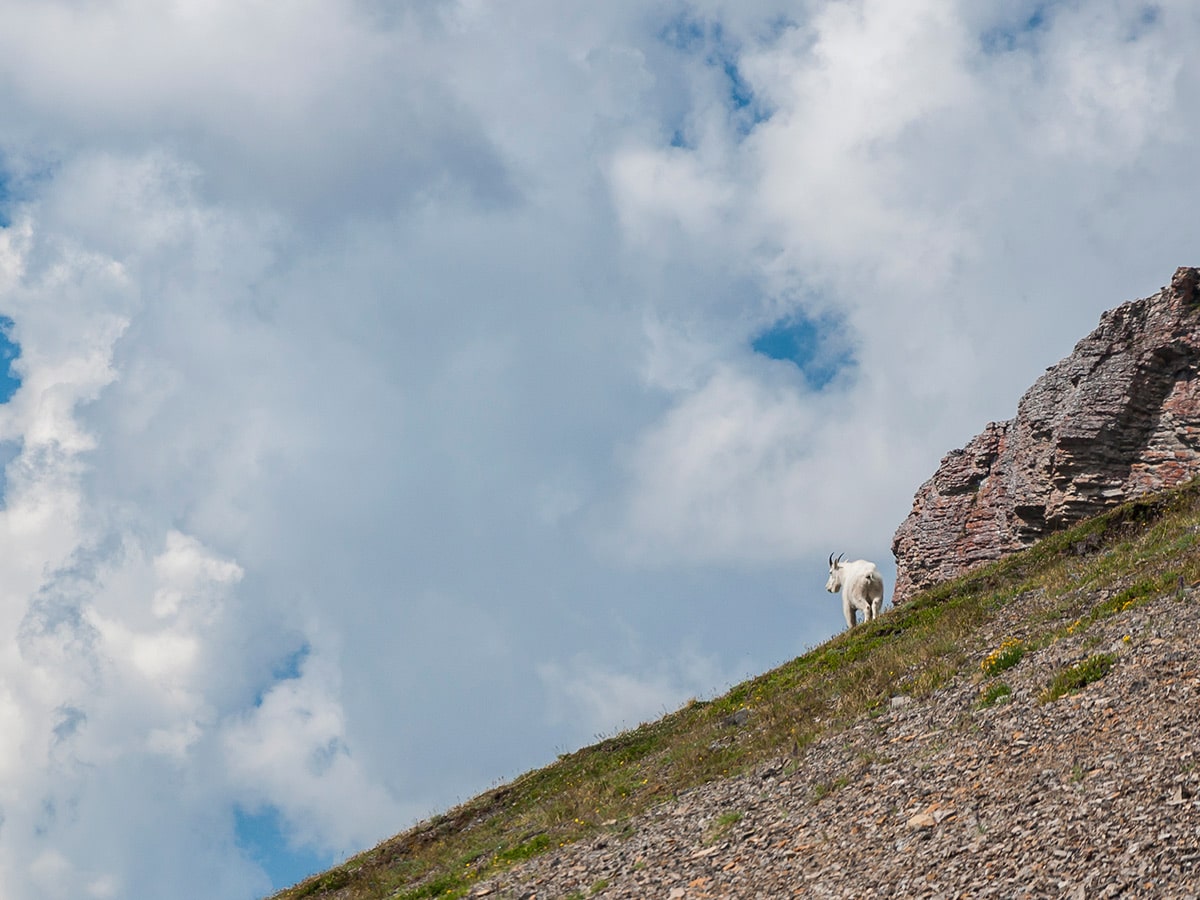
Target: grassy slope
[{"x": 1149, "y": 547}]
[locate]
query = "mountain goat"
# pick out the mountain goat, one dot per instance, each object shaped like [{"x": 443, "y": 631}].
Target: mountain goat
[{"x": 861, "y": 586}]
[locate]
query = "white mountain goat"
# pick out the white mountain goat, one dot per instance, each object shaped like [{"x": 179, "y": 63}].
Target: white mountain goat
[{"x": 861, "y": 586}]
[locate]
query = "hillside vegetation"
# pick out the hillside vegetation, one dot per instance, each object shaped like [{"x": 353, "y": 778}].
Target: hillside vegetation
[{"x": 1102, "y": 567}]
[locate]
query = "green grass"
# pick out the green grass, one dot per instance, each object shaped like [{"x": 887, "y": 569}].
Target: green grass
[
  {"x": 993, "y": 694},
  {"x": 721, "y": 825},
  {"x": 823, "y": 789},
  {"x": 1147, "y": 547},
  {"x": 1008, "y": 654},
  {"x": 1077, "y": 677}
]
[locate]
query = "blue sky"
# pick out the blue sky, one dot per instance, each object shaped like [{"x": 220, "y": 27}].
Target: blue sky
[
  {"x": 263, "y": 836},
  {"x": 408, "y": 394},
  {"x": 9, "y": 380},
  {"x": 814, "y": 346}
]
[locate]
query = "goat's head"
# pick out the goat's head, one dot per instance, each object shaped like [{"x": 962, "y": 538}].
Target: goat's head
[{"x": 834, "y": 584}]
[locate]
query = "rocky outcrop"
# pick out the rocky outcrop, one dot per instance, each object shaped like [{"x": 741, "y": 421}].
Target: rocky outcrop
[{"x": 1117, "y": 418}]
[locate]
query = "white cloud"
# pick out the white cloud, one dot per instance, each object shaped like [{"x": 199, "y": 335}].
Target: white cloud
[
  {"x": 849, "y": 90},
  {"x": 291, "y": 752},
  {"x": 1107, "y": 82},
  {"x": 663, "y": 189},
  {"x": 187, "y": 576},
  {"x": 119, "y": 656},
  {"x": 375, "y": 330},
  {"x": 724, "y": 476},
  {"x": 313, "y": 108},
  {"x": 753, "y": 467},
  {"x": 677, "y": 358},
  {"x": 603, "y": 700}
]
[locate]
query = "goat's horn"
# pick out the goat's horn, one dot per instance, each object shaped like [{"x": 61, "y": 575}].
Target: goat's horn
[
  {"x": 831, "y": 560},
  {"x": 840, "y": 555}
]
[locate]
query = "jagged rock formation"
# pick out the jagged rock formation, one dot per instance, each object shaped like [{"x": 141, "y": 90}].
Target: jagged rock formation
[{"x": 1117, "y": 418}]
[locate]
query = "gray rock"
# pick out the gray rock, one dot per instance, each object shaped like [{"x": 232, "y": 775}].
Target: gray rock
[{"x": 737, "y": 719}]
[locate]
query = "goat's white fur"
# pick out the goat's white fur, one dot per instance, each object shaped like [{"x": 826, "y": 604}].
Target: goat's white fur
[{"x": 861, "y": 586}]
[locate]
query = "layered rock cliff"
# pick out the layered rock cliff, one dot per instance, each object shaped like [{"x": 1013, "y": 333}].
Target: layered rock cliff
[{"x": 1117, "y": 418}]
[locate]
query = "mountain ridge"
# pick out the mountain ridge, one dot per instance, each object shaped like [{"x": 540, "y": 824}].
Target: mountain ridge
[{"x": 574, "y": 828}]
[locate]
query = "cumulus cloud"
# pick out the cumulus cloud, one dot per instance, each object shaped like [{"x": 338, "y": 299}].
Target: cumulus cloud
[
  {"x": 606, "y": 700},
  {"x": 133, "y": 647},
  {"x": 724, "y": 475},
  {"x": 319, "y": 109},
  {"x": 896, "y": 134},
  {"x": 389, "y": 415},
  {"x": 96, "y": 677},
  {"x": 848, "y": 90},
  {"x": 290, "y": 753},
  {"x": 668, "y": 188}
]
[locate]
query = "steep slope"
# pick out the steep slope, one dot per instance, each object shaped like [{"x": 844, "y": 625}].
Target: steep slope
[
  {"x": 1118, "y": 418},
  {"x": 938, "y": 750},
  {"x": 1089, "y": 796}
]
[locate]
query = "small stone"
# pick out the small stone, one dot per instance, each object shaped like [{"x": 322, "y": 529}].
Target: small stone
[
  {"x": 921, "y": 820},
  {"x": 737, "y": 719},
  {"x": 1180, "y": 795}
]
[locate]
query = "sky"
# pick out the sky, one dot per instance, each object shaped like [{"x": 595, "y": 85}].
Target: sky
[{"x": 399, "y": 394}]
